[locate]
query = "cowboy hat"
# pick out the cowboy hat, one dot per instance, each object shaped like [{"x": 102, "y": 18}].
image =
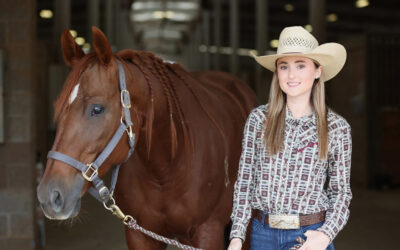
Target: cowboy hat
[{"x": 296, "y": 41}]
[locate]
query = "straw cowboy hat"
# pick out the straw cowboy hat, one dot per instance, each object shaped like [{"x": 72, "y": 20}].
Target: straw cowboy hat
[{"x": 296, "y": 41}]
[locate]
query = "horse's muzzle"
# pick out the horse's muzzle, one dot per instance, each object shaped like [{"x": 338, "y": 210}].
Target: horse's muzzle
[{"x": 57, "y": 202}]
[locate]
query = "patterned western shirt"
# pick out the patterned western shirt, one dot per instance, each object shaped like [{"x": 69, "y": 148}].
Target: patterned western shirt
[{"x": 292, "y": 181}]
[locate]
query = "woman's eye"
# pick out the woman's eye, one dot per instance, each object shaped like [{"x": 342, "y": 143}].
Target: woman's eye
[
  {"x": 283, "y": 67},
  {"x": 301, "y": 66},
  {"x": 96, "y": 110}
]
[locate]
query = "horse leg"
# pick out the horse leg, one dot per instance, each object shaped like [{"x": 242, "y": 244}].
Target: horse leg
[
  {"x": 210, "y": 236},
  {"x": 138, "y": 241}
]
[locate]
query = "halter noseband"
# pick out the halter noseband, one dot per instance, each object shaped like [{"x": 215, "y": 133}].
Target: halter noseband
[{"x": 90, "y": 171}]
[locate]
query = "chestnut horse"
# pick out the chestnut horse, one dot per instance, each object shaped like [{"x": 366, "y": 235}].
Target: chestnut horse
[{"x": 179, "y": 181}]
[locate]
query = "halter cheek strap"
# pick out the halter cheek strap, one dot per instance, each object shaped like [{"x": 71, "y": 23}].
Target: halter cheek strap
[{"x": 90, "y": 171}]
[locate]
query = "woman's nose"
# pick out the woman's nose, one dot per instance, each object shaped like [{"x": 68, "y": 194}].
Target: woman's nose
[{"x": 291, "y": 74}]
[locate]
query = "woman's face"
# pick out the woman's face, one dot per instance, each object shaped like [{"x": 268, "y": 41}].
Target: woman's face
[{"x": 296, "y": 75}]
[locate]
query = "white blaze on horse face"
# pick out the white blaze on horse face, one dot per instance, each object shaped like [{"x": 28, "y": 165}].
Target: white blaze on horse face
[{"x": 74, "y": 94}]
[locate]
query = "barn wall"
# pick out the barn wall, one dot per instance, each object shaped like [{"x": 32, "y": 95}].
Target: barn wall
[{"x": 17, "y": 153}]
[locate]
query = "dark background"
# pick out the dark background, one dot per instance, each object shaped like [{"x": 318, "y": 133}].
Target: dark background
[{"x": 216, "y": 35}]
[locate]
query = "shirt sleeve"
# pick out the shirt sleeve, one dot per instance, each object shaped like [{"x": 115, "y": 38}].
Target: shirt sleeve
[
  {"x": 338, "y": 191},
  {"x": 243, "y": 190}
]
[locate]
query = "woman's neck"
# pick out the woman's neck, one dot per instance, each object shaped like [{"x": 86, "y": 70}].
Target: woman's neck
[{"x": 299, "y": 107}]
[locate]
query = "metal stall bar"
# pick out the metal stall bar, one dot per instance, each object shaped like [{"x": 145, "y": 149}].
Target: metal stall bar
[
  {"x": 206, "y": 39},
  {"x": 62, "y": 21},
  {"x": 261, "y": 87},
  {"x": 317, "y": 19},
  {"x": 109, "y": 23},
  {"x": 234, "y": 35},
  {"x": 217, "y": 33},
  {"x": 93, "y": 16}
]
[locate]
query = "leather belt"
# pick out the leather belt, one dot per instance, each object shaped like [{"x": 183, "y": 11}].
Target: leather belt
[{"x": 304, "y": 220}]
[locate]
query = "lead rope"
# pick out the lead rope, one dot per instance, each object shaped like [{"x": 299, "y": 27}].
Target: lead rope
[
  {"x": 133, "y": 225},
  {"x": 129, "y": 221}
]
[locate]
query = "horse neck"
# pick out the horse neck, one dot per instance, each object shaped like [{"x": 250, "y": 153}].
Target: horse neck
[{"x": 158, "y": 160}]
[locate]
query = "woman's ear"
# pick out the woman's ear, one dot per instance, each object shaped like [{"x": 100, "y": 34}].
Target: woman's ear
[
  {"x": 71, "y": 50},
  {"x": 318, "y": 72}
]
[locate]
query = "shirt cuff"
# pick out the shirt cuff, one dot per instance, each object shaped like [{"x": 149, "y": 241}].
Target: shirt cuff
[
  {"x": 238, "y": 231},
  {"x": 328, "y": 231}
]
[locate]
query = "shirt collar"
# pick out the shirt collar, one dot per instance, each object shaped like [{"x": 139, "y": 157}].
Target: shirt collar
[{"x": 305, "y": 119}]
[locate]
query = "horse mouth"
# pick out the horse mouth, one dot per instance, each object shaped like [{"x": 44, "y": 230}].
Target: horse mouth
[{"x": 65, "y": 213}]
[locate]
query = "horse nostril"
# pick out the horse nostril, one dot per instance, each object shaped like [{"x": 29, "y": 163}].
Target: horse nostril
[{"x": 57, "y": 201}]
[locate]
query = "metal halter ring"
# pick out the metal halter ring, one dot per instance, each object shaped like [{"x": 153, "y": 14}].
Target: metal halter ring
[
  {"x": 127, "y": 219},
  {"x": 85, "y": 173},
  {"x": 129, "y": 131},
  {"x": 128, "y": 106},
  {"x": 112, "y": 203}
]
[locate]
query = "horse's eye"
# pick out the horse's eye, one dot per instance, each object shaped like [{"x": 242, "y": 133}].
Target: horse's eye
[{"x": 96, "y": 110}]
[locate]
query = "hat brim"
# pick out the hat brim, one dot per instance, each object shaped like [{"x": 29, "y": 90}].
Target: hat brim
[{"x": 331, "y": 56}]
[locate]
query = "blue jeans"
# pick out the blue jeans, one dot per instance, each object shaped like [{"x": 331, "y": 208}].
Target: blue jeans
[{"x": 263, "y": 237}]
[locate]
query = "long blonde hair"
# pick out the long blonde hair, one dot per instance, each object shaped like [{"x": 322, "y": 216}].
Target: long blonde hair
[{"x": 276, "y": 113}]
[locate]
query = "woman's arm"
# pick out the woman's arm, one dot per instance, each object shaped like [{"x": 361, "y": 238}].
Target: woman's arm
[
  {"x": 339, "y": 192},
  {"x": 244, "y": 185}
]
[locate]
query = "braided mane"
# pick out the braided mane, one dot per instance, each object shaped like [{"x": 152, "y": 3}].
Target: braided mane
[{"x": 148, "y": 62}]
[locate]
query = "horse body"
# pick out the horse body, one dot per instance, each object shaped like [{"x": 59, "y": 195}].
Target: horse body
[
  {"x": 193, "y": 202},
  {"x": 179, "y": 181}
]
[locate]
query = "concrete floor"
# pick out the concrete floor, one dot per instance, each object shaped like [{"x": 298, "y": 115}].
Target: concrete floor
[{"x": 374, "y": 224}]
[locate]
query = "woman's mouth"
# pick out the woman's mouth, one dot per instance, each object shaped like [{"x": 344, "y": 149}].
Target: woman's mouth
[{"x": 293, "y": 84}]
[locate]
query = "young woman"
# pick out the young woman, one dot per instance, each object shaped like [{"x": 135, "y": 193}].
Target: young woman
[{"x": 291, "y": 147}]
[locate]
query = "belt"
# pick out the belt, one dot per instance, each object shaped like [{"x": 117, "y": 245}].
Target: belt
[{"x": 282, "y": 221}]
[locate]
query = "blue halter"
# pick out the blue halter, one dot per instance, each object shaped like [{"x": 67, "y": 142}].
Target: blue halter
[{"x": 90, "y": 170}]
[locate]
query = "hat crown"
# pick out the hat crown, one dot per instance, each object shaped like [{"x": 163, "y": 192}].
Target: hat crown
[{"x": 296, "y": 40}]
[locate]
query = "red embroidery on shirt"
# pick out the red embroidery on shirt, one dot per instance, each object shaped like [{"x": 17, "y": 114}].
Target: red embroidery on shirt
[{"x": 309, "y": 145}]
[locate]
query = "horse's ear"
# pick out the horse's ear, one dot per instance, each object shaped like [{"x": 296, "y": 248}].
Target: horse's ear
[
  {"x": 72, "y": 51},
  {"x": 101, "y": 45}
]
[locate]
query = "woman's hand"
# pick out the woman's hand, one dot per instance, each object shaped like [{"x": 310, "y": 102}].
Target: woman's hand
[
  {"x": 236, "y": 244},
  {"x": 316, "y": 240}
]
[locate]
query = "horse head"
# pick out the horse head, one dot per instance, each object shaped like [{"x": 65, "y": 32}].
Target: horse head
[{"x": 88, "y": 111}]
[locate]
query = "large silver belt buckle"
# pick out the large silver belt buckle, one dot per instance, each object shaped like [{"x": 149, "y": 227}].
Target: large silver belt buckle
[{"x": 284, "y": 221}]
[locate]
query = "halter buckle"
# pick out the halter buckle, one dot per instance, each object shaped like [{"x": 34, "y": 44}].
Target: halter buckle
[
  {"x": 85, "y": 173},
  {"x": 124, "y": 91}
]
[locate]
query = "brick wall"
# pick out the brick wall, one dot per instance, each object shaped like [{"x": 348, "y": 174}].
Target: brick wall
[{"x": 17, "y": 153}]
